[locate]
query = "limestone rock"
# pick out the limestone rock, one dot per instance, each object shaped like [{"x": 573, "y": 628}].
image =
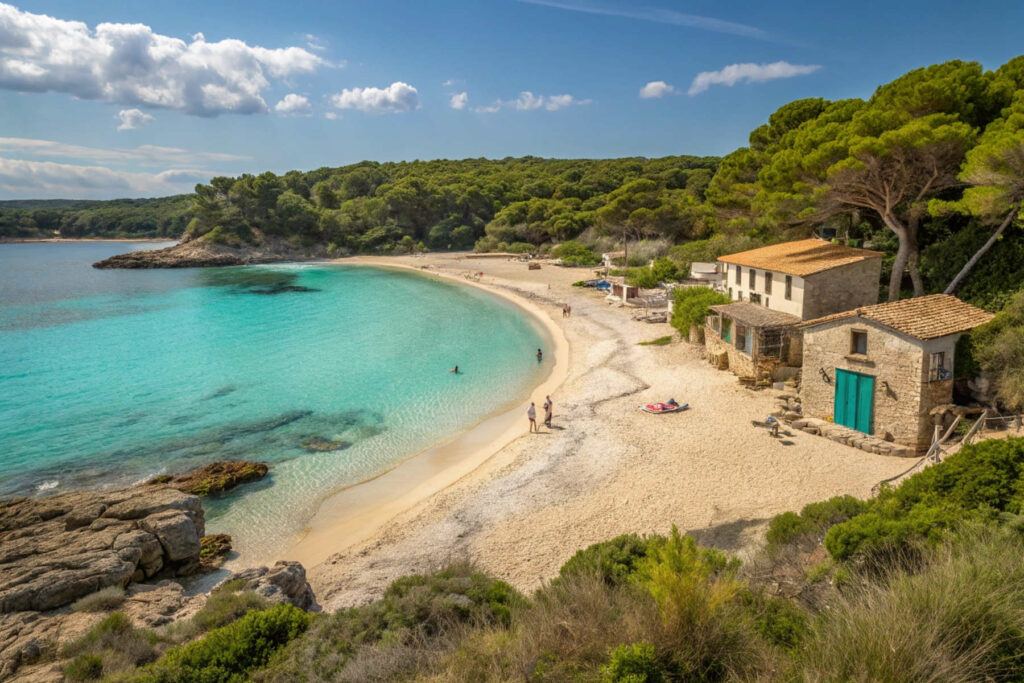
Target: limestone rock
[
  {"x": 58, "y": 549},
  {"x": 284, "y": 582}
]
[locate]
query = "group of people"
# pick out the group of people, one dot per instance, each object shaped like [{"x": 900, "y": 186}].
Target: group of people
[
  {"x": 566, "y": 310},
  {"x": 531, "y": 414}
]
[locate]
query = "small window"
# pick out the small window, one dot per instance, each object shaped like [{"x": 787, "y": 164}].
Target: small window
[
  {"x": 767, "y": 283},
  {"x": 753, "y": 278},
  {"x": 755, "y": 298},
  {"x": 730, "y": 292},
  {"x": 739, "y": 275},
  {"x": 789, "y": 287},
  {"x": 859, "y": 342},
  {"x": 741, "y": 337},
  {"x": 937, "y": 370},
  {"x": 766, "y": 303}
]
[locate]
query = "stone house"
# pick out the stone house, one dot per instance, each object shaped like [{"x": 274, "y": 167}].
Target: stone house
[
  {"x": 775, "y": 288},
  {"x": 806, "y": 278},
  {"x": 880, "y": 369}
]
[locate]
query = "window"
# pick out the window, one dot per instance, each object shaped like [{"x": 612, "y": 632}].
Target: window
[
  {"x": 789, "y": 287},
  {"x": 767, "y": 283},
  {"x": 859, "y": 342},
  {"x": 730, "y": 292},
  {"x": 753, "y": 278},
  {"x": 937, "y": 370},
  {"x": 739, "y": 275},
  {"x": 766, "y": 303},
  {"x": 715, "y": 323},
  {"x": 755, "y": 298}
]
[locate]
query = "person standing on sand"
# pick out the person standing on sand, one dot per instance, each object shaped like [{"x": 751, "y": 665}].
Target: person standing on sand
[
  {"x": 565, "y": 310},
  {"x": 547, "y": 411},
  {"x": 568, "y": 311},
  {"x": 531, "y": 413}
]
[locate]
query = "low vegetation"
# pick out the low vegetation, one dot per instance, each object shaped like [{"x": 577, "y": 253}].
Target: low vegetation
[
  {"x": 922, "y": 583},
  {"x": 690, "y": 306},
  {"x": 660, "y": 341},
  {"x": 102, "y": 600}
]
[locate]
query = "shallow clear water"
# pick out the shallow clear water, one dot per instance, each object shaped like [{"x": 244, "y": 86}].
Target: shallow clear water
[{"x": 110, "y": 377}]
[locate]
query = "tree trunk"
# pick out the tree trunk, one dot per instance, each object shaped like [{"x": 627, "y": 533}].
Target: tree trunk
[
  {"x": 973, "y": 261},
  {"x": 914, "y": 254},
  {"x": 902, "y": 255}
]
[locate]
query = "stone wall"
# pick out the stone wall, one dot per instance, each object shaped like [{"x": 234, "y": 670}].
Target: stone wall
[
  {"x": 739, "y": 362},
  {"x": 842, "y": 289},
  {"x": 902, "y": 397}
]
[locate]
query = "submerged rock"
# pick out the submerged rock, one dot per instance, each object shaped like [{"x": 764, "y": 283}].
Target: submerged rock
[
  {"x": 214, "y": 478},
  {"x": 213, "y": 551},
  {"x": 318, "y": 444}
]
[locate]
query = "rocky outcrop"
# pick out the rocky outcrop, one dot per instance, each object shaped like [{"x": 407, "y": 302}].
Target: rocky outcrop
[
  {"x": 214, "y": 478},
  {"x": 58, "y": 549},
  {"x": 284, "y": 582},
  {"x": 202, "y": 253}
]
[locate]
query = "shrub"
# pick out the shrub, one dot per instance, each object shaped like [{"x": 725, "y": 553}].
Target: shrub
[
  {"x": 521, "y": 248},
  {"x": 84, "y": 668},
  {"x": 978, "y": 482},
  {"x": 229, "y": 653},
  {"x": 574, "y": 253},
  {"x": 649, "y": 277},
  {"x": 778, "y": 621},
  {"x": 225, "y": 605},
  {"x": 961, "y": 618},
  {"x": 636, "y": 663},
  {"x": 102, "y": 600},
  {"x": 690, "y": 306},
  {"x": 660, "y": 341},
  {"x": 117, "y": 644},
  {"x": 614, "y": 561},
  {"x": 812, "y": 521}
]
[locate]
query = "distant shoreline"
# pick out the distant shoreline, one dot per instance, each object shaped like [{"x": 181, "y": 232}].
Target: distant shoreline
[{"x": 23, "y": 240}]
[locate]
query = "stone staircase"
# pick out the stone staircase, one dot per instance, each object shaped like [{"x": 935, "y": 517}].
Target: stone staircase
[{"x": 790, "y": 412}]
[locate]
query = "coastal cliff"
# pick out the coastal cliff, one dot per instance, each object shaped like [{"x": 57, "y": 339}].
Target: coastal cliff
[{"x": 202, "y": 253}]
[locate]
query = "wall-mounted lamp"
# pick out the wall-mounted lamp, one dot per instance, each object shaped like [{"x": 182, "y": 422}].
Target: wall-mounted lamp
[
  {"x": 824, "y": 376},
  {"x": 888, "y": 390}
]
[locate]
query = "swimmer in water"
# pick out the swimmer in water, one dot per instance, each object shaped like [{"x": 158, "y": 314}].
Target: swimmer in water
[
  {"x": 455, "y": 370},
  {"x": 540, "y": 356}
]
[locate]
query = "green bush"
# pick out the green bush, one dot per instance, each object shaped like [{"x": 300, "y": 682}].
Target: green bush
[
  {"x": 229, "y": 653},
  {"x": 522, "y": 248},
  {"x": 614, "y": 561},
  {"x": 636, "y": 663},
  {"x": 778, "y": 621},
  {"x": 978, "y": 482},
  {"x": 573, "y": 253},
  {"x": 813, "y": 520},
  {"x": 102, "y": 600},
  {"x": 690, "y": 306},
  {"x": 226, "y": 604},
  {"x": 660, "y": 341},
  {"x": 649, "y": 277},
  {"x": 84, "y": 668},
  {"x": 115, "y": 643}
]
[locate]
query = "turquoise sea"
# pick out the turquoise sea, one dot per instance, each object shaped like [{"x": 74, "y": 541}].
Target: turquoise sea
[{"x": 112, "y": 377}]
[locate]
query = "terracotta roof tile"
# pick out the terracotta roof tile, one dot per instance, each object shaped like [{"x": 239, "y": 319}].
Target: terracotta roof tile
[
  {"x": 925, "y": 317},
  {"x": 801, "y": 258}
]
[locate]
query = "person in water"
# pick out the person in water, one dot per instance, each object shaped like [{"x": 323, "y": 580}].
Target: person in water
[
  {"x": 455, "y": 370},
  {"x": 540, "y": 356}
]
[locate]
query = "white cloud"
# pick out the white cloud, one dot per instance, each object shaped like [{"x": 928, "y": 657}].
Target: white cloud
[
  {"x": 659, "y": 16},
  {"x": 130, "y": 64},
  {"x": 748, "y": 73},
  {"x": 294, "y": 105},
  {"x": 527, "y": 101},
  {"x": 331, "y": 116},
  {"x": 132, "y": 118},
  {"x": 150, "y": 155},
  {"x": 397, "y": 97},
  {"x": 459, "y": 100},
  {"x": 315, "y": 42},
  {"x": 50, "y": 179},
  {"x": 656, "y": 89}
]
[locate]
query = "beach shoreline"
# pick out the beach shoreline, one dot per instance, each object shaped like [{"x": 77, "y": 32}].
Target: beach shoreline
[
  {"x": 32, "y": 240},
  {"x": 358, "y": 511}
]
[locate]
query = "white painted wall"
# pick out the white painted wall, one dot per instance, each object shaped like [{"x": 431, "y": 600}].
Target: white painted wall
[{"x": 776, "y": 300}]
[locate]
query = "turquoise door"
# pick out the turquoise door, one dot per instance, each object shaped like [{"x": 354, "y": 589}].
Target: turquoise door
[{"x": 855, "y": 395}]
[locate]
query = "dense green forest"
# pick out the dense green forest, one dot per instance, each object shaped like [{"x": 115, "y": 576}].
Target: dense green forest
[
  {"x": 922, "y": 583},
  {"x": 929, "y": 169},
  {"x": 42, "y": 218}
]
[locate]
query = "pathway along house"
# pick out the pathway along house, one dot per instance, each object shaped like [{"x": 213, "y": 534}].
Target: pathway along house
[
  {"x": 880, "y": 369},
  {"x": 775, "y": 288}
]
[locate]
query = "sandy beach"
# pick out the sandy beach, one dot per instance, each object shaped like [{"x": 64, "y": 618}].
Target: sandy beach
[{"x": 520, "y": 504}]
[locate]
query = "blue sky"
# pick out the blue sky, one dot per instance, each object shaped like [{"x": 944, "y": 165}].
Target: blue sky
[{"x": 124, "y": 98}]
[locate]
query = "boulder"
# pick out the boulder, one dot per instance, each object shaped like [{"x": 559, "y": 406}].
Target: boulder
[
  {"x": 58, "y": 549},
  {"x": 284, "y": 582}
]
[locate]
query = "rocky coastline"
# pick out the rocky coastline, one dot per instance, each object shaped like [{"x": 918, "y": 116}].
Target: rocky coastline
[
  {"x": 59, "y": 549},
  {"x": 201, "y": 253}
]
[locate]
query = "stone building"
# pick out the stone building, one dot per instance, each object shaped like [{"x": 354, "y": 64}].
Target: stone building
[
  {"x": 806, "y": 278},
  {"x": 776, "y": 287},
  {"x": 880, "y": 369}
]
